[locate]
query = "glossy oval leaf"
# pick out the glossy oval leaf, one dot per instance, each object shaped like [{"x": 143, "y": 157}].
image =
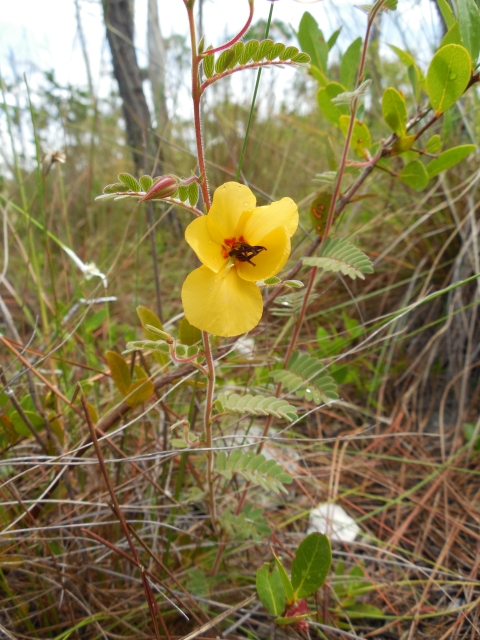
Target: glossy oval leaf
[
  {"x": 403, "y": 144},
  {"x": 452, "y": 36},
  {"x": 120, "y": 371},
  {"x": 415, "y": 175},
  {"x": 448, "y": 159},
  {"x": 287, "y": 585},
  {"x": 434, "y": 144},
  {"x": 469, "y": 24},
  {"x": 361, "y": 138},
  {"x": 394, "y": 111},
  {"x": 350, "y": 63},
  {"x": 331, "y": 111},
  {"x": 446, "y": 12},
  {"x": 311, "y": 565},
  {"x": 312, "y": 41},
  {"x": 270, "y": 589},
  {"x": 448, "y": 76},
  {"x": 319, "y": 211}
]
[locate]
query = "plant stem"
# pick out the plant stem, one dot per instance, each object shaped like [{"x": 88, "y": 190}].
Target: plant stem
[
  {"x": 196, "y": 96},
  {"x": 208, "y": 423},
  {"x": 252, "y": 107}
]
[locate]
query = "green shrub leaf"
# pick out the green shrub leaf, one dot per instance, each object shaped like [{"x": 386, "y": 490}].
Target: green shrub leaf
[
  {"x": 311, "y": 564},
  {"x": 119, "y": 370},
  {"x": 415, "y": 175},
  {"x": 394, "y": 111},
  {"x": 449, "y": 158},
  {"x": 361, "y": 138},
  {"x": 349, "y": 64},
  {"x": 469, "y": 19},
  {"x": 453, "y": 36},
  {"x": 446, "y": 12},
  {"x": 331, "y": 111},
  {"x": 270, "y": 589},
  {"x": 448, "y": 76},
  {"x": 312, "y": 41}
]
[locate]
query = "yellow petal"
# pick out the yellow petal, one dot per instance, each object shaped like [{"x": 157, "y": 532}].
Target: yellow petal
[
  {"x": 269, "y": 262},
  {"x": 283, "y": 213},
  {"x": 229, "y": 202},
  {"x": 208, "y": 251},
  {"x": 221, "y": 303}
]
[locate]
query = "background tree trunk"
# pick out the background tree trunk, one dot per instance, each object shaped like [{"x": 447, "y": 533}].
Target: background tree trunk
[
  {"x": 156, "y": 65},
  {"x": 119, "y": 22}
]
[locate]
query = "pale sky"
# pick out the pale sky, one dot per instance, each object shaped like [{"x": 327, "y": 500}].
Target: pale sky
[{"x": 42, "y": 34}]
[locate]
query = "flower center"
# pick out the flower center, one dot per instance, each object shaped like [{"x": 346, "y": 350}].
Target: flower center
[{"x": 240, "y": 250}]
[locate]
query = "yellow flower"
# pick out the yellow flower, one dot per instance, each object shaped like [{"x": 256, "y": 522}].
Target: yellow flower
[{"x": 238, "y": 245}]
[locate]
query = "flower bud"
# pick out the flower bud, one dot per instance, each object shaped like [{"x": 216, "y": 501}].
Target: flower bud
[{"x": 164, "y": 187}]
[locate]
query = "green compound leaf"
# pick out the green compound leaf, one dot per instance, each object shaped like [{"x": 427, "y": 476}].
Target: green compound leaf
[
  {"x": 311, "y": 565},
  {"x": 448, "y": 76},
  {"x": 469, "y": 19},
  {"x": 415, "y": 175},
  {"x": 340, "y": 255},
  {"x": 209, "y": 64},
  {"x": 146, "y": 183},
  {"x": 394, "y": 111},
  {"x": 183, "y": 193},
  {"x": 289, "y": 53},
  {"x": 224, "y": 60},
  {"x": 129, "y": 181},
  {"x": 147, "y": 345},
  {"x": 305, "y": 376},
  {"x": 349, "y": 64},
  {"x": 361, "y": 138},
  {"x": 249, "y": 52},
  {"x": 256, "y": 469},
  {"x": 238, "y": 49},
  {"x": 287, "y": 585},
  {"x": 263, "y": 50},
  {"x": 249, "y": 524},
  {"x": 312, "y": 41},
  {"x": 301, "y": 58},
  {"x": 270, "y": 589},
  {"x": 116, "y": 187},
  {"x": 331, "y": 111},
  {"x": 449, "y": 158},
  {"x": 276, "y": 51},
  {"x": 193, "y": 193},
  {"x": 257, "y": 406}
]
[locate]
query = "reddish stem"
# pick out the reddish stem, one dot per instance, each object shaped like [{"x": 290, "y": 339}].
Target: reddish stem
[
  {"x": 196, "y": 96},
  {"x": 236, "y": 38}
]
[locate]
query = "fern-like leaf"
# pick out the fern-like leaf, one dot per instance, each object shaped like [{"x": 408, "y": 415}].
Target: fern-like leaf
[
  {"x": 150, "y": 345},
  {"x": 340, "y": 255},
  {"x": 305, "y": 377},
  {"x": 255, "y": 468},
  {"x": 256, "y": 405}
]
